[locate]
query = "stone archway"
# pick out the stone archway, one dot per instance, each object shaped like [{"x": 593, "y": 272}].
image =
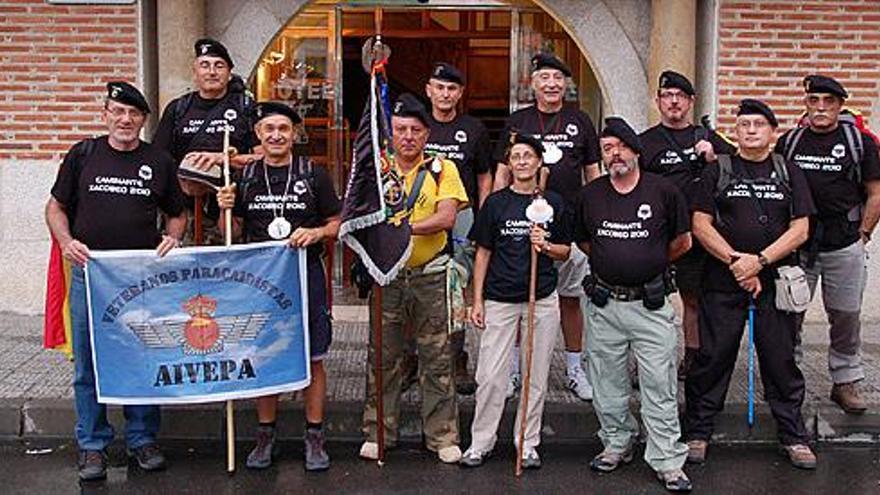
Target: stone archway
[{"x": 246, "y": 28}]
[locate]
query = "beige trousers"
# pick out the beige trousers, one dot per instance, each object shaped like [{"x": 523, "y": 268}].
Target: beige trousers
[{"x": 493, "y": 368}]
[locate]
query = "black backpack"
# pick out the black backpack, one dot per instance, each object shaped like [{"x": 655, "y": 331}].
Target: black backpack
[
  {"x": 243, "y": 101},
  {"x": 726, "y": 177},
  {"x": 854, "y": 143}
]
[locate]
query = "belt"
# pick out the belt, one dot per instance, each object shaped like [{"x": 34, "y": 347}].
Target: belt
[{"x": 622, "y": 293}]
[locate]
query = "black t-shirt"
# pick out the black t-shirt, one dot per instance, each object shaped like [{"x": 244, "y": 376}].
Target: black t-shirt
[
  {"x": 826, "y": 162},
  {"x": 629, "y": 234},
  {"x": 502, "y": 227},
  {"x": 572, "y": 131},
  {"x": 113, "y": 197},
  {"x": 678, "y": 162},
  {"x": 189, "y": 131},
  {"x": 465, "y": 141},
  {"x": 309, "y": 201},
  {"x": 738, "y": 214}
]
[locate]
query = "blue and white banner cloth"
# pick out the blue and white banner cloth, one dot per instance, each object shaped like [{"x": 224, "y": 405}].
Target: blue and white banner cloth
[{"x": 199, "y": 325}]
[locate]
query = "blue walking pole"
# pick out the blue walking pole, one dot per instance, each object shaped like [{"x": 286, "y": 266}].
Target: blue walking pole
[{"x": 751, "y": 361}]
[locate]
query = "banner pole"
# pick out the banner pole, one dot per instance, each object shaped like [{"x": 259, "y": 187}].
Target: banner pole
[
  {"x": 377, "y": 367},
  {"x": 227, "y": 237}
]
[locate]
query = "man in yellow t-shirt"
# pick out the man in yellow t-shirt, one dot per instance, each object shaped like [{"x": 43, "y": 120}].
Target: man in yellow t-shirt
[{"x": 418, "y": 294}]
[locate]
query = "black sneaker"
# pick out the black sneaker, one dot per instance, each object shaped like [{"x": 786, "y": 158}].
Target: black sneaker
[
  {"x": 92, "y": 465},
  {"x": 261, "y": 456},
  {"x": 149, "y": 457},
  {"x": 316, "y": 458}
]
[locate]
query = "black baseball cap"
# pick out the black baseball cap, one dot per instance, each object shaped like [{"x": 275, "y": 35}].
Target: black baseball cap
[
  {"x": 206, "y": 47},
  {"x": 517, "y": 137},
  {"x": 670, "y": 79},
  {"x": 751, "y": 106},
  {"x": 620, "y": 128},
  {"x": 447, "y": 72},
  {"x": 125, "y": 93},
  {"x": 268, "y": 108}
]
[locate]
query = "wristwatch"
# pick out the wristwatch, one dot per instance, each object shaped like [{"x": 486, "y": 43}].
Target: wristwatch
[{"x": 763, "y": 259}]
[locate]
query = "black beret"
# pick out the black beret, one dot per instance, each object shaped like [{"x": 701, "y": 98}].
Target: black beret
[
  {"x": 212, "y": 48},
  {"x": 549, "y": 61},
  {"x": 407, "y": 105},
  {"x": 751, "y": 106},
  {"x": 619, "y": 128},
  {"x": 268, "y": 108},
  {"x": 671, "y": 79},
  {"x": 446, "y": 72},
  {"x": 823, "y": 84},
  {"x": 517, "y": 137},
  {"x": 125, "y": 93}
]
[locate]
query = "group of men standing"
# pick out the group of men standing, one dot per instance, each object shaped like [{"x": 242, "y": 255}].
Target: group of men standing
[{"x": 678, "y": 195}]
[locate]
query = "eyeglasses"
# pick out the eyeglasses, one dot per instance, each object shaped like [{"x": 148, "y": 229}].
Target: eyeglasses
[
  {"x": 119, "y": 112},
  {"x": 672, "y": 95}
]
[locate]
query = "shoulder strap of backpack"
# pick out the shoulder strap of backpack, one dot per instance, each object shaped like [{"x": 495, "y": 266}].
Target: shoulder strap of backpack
[
  {"x": 856, "y": 148},
  {"x": 725, "y": 174},
  {"x": 180, "y": 107},
  {"x": 791, "y": 142},
  {"x": 416, "y": 189},
  {"x": 781, "y": 170}
]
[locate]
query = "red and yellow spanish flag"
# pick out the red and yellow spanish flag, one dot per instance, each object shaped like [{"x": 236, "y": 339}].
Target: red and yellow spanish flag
[{"x": 56, "y": 323}]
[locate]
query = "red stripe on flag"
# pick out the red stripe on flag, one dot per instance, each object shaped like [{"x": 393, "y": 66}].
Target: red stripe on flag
[{"x": 56, "y": 295}]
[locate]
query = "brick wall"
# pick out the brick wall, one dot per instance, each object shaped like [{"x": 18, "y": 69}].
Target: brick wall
[
  {"x": 54, "y": 62},
  {"x": 766, "y": 48}
]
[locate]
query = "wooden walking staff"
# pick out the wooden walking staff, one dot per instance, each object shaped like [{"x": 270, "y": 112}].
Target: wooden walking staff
[
  {"x": 227, "y": 237},
  {"x": 539, "y": 212}
]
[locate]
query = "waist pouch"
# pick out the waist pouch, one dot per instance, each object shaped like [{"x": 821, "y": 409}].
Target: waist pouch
[
  {"x": 792, "y": 289},
  {"x": 655, "y": 293}
]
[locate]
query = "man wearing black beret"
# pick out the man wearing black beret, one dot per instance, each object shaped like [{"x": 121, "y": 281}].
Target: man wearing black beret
[
  {"x": 633, "y": 226},
  {"x": 571, "y": 153},
  {"x": 678, "y": 150},
  {"x": 417, "y": 297},
  {"x": 843, "y": 170},
  {"x": 465, "y": 141},
  {"x": 87, "y": 211},
  {"x": 286, "y": 197},
  {"x": 192, "y": 127},
  {"x": 750, "y": 212}
]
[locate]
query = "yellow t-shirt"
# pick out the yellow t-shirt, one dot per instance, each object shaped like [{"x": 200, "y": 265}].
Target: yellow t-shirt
[{"x": 426, "y": 247}]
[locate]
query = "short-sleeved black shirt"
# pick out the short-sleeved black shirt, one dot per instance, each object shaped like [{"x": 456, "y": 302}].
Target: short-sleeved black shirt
[
  {"x": 826, "y": 162},
  {"x": 189, "y": 131},
  {"x": 629, "y": 234},
  {"x": 738, "y": 214},
  {"x": 310, "y": 200},
  {"x": 113, "y": 197},
  {"x": 502, "y": 227},
  {"x": 572, "y": 131},
  {"x": 678, "y": 162},
  {"x": 465, "y": 141}
]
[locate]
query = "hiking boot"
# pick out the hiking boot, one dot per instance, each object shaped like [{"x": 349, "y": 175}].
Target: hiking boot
[
  {"x": 697, "y": 451},
  {"x": 531, "y": 459},
  {"x": 409, "y": 370},
  {"x": 92, "y": 465},
  {"x": 316, "y": 458},
  {"x": 609, "y": 461},
  {"x": 464, "y": 382},
  {"x": 449, "y": 455},
  {"x": 472, "y": 458},
  {"x": 686, "y": 363},
  {"x": 801, "y": 456},
  {"x": 675, "y": 480},
  {"x": 514, "y": 383},
  {"x": 148, "y": 457},
  {"x": 261, "y": 456},
  {"x": 846, "y": 395},
  {"x": 578, "y": 383}
]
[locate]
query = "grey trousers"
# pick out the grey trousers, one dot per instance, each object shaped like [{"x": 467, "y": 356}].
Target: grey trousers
[
  {"x": 844, "y": 274},
  {"x": 612, "y": 331}
]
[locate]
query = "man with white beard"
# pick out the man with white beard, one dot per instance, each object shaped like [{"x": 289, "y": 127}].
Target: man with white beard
[{"x": 633, "y": 226}]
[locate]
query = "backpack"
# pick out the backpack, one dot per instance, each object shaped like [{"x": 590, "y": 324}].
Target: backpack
[
  {"x": 778, "y": 176},
  {"x": 851, "y": 125},
  {"x": 305, "y": 170},
  {"x": 236, "y": 87},
  {"x": 84, "y": 150}
]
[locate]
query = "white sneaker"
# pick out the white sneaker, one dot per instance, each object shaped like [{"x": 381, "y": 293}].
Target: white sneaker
[
  {"x": 513, "y": 384},
  {"x": 449, "y": 455},
  {"x": 370, "y": 451},
  {"x": 578, "y": 383}
]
